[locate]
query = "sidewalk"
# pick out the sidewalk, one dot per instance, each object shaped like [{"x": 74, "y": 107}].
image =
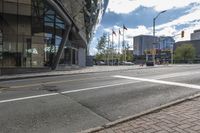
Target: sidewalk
[
  {"x": 77, "y": 71},
  {"x": 180, "y": 118}
]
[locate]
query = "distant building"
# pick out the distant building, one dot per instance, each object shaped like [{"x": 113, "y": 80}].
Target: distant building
[
  {"x": 166, "y": 43},
  {"x": 144, "y": 43},
  {"x": 194, "y": 43},
  {"x": 195, "y": 35}
]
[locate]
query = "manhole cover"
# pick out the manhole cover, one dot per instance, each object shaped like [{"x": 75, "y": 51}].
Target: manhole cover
[{"x": 50, "y": 88}]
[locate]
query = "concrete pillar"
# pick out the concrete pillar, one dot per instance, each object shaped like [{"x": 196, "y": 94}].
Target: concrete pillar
[{"x": 81, "y": 57}]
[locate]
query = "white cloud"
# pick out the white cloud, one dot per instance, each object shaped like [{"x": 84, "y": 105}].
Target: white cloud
[
  {"x": 189, "y": 19},
  {"x": 126, "y": 6},
  {"x": 167, "y": 29},
  {"x": 128, "y": 34},
  {"x": 93, "y": 51},
  {"x": 140, "y": 30},
  {"x": 186, "y": 19},
  {"x": 188, "y": 31}
]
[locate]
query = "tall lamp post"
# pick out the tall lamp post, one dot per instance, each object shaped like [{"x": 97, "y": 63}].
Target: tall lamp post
[
  {"x": 154, "y": 21},
  {"x": 154, "y": 25}
]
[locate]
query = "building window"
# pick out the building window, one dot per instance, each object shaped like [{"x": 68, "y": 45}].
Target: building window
[
  {"x": 30, "y": 33},
  {"x": 1, "y": 33},
  {"x": 10, "y": 30}
]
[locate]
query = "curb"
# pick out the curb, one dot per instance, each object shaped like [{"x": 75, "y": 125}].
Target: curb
[
  {"x": 51, "y": 75},
  {"x": 132, "y": 117},
  {"x": 28, "y": 77}
]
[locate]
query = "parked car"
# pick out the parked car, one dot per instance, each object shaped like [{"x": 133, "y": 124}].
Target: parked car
[
  {"x": 100, "y": 63},
  {"x": 127, "y": 63},
  {"x": 149, "y": 63}
]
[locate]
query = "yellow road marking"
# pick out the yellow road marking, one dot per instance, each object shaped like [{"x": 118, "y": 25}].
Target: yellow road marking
[
  {"x": 2, "y": 89},
  {"x": 52, "y": 82}
]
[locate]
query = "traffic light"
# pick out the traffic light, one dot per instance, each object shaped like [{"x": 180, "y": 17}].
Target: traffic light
[{"x": 182, "y": 34}]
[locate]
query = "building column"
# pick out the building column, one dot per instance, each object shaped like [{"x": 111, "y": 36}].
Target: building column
[
  {"x": 61, "y": 48},
  {"x": 82, "y": 57},
  {"x": 68, "y": 23}
]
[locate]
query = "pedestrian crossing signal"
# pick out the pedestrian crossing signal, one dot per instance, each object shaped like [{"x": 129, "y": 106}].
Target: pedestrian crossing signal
[{"x": 182, "y": 34}]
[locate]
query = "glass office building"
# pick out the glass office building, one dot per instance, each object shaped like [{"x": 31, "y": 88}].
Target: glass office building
[{"x": 46, "y": 33}]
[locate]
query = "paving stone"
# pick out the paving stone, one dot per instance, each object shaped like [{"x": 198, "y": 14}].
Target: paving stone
[{"x": 181, "y": 118}]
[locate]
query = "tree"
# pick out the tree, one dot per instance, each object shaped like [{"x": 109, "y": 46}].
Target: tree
[
  {"x": 99, "y": 56},
  {"x": 185, "y": 52},
  {"x": 101, "y": 48},
  {"x": 129, "y": 54},
  {"x": 101, "y": 45},
  {"x": 126, "y": 52}
]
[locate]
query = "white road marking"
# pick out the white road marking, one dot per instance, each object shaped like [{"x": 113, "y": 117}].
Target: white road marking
[
  {"x": 160, "y": 82},
  {"x": 112, "y": 85},
  {"x": 64, "y": 92},
  {"x": 179, "y": 74},
  {"x": 30, "y": 97},
  {"x": 171, "y": 75},
  {"x": 98, "y": 87}
]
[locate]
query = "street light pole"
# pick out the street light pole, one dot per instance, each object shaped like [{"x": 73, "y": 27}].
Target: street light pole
[
  {"x": 154, "y": 24},
  {"x": 108, "y": 61},
  {"x": 172, "y": 53},
  {"x": 154, "y": 33},
  {"x": 154, "y": 21}
]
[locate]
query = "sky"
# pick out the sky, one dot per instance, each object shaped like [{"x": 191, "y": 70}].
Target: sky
[{"x": 137, "y": 16}]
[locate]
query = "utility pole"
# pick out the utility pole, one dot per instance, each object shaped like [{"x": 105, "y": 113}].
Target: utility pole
[
  {"x": 172, "y": 54},
  {"x": 118, "y": 51},
  {"x": 123, "y": 49},
  {"x": 108, "y": 61},
  {"x": 154, "y": 21},
  {"x": 112, "y": 48},
  {"x": 154, "y": 33}
]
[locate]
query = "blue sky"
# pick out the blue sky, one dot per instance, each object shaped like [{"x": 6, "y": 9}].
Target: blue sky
[{"x": 138, "y": 15}]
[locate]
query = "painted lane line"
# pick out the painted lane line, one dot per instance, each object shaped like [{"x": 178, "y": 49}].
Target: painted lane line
[
  {"x": 179, "y": 74},
  {"x": 98, "y": 87},
  {"x": 173, "y": 75},
  {"x": 53, "y": 82},
  {"x": 136, "y": 80},
  {"x": 160, "y": 82},
  {"x": 29, "y": 97},
  {"x": 65, "y": 92}
]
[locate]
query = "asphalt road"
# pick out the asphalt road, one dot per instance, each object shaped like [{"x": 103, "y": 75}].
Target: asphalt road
[{"x": 72, "y": 103}]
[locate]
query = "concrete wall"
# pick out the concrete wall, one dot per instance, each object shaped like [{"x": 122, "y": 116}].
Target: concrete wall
[
  {"x": 194, "y": 43},
  {"x": 195, "y": 36}
]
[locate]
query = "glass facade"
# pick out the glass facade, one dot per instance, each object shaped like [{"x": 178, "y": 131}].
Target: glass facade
[
  {"x": 166, "y": 43},
  {"x": 30, "y": 34},
  {"x": 31, "y": 31}
]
